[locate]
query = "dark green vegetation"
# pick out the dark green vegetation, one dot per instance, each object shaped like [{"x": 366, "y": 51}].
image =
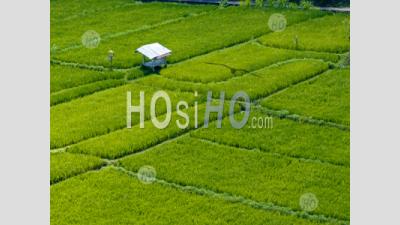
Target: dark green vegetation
[
  {"x": 204, "y": 175},
  {"x": 328, "y": 3}
]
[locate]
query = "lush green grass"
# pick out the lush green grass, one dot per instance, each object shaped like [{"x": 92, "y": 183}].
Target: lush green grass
[
  {"x": 188, "y": 38},
  {"x": 64, "y": 165},
  {"x": 257, "y": 84},
  {"x": 245, "y": 176},
  {"x": 329, "y": 33},
  {"x": 122, "y": 17},
  {"x": 113, "y": 197},
  {"x": 126, "y": 141},
  {"x": 101, "y": 113},
  {"x": 235, "y": 61},
  {"x": 327, "y": 98},
  {"x": 80, "y": 91},
  {"x": 285, "y": 137},
  {"x": 63, "y": 77},
  {"x": 252, "y": 174}
]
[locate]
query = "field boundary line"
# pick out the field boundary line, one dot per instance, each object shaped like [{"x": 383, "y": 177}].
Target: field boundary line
[
  {"x": 267, "y": 206},
  {"x": 300, "y": 50},
  {"x": 300, "y": 118},
  {"x": 91, "y": 66},
  {"x": 186, "y": 134},
  {"x": 81, "y": 85},
  {"x": 258, "y": 42},
  {"x": 104, "y": 164},
  {"x": 290, "y": 86},
  {"x": 56, "y": 150},
  {"x": 277, "y": 64},
  {"x": 156, "y": 87},
  {"x": 255, "y": 101},
  {"x": 85, "y": 94},
  {"x": 272, "y": 154}
]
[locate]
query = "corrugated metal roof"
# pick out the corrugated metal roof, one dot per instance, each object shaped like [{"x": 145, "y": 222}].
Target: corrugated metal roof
[{"x": 154, "y": 50}]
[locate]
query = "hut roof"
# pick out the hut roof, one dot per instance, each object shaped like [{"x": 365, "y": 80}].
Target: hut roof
[{"x": 154, "y": 50}]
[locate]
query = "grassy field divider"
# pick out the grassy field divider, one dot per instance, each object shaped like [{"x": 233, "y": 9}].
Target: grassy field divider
[
  {"x": 279, "y": 155},
  {"x": 90, "y": 67},
  {"x": 258, "y": 42},
  {"x": 284, "y": 89},
  {"x": 69, "y": 94},
  {"x": 302, "y": 119},
  {"x": 66, "y": 165},
  {"x": 267, "y": 206},
  {"x": 277, "y": 88},
  {"x": 277, "y": 64}
]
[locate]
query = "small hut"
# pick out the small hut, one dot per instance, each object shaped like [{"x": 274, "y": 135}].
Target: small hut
[{"x": 154, "y": 55}]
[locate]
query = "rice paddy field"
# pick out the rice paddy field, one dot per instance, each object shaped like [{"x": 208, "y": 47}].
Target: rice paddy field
[{"x": 295, "y": 171}]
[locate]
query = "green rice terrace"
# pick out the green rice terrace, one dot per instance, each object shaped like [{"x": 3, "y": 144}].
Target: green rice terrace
[{"x": 296, "y": 171}]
